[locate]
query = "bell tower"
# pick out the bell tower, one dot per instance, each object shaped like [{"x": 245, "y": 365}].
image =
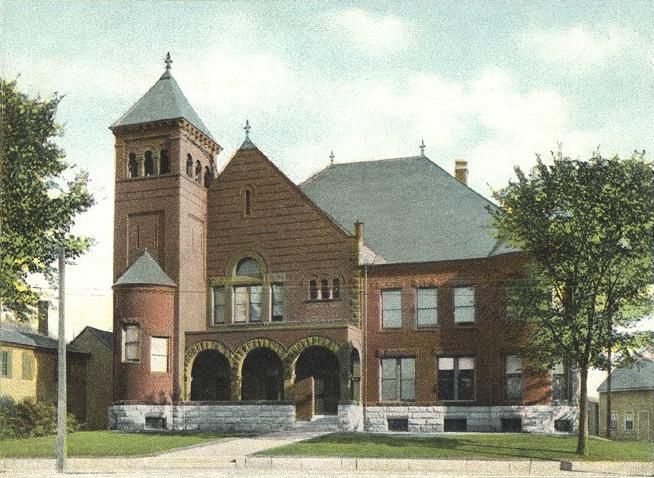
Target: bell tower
[{"x": 165, "y": 162}]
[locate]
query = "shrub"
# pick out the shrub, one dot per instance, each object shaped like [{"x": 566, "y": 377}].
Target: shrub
[{"x": 29, "y": 418}]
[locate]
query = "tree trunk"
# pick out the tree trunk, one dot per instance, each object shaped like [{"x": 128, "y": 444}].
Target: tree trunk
[
  {"x": 582, "y": 432},
  {"x": 608, "y": 398}
]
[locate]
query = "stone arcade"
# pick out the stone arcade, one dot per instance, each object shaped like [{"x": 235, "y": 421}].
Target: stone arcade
[{"x": 372, "y": 293}]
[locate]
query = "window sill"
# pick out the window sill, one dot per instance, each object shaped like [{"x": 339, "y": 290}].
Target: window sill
[
  {"x": 457, "y": 401},
  {"x": 322, "y": 301}
]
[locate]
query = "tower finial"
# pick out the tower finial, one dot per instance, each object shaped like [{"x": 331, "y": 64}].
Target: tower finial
[
  {"x": 331, "y": 157},
  {"x": 422, "y": 147},
  {"x": 168, "y": 61},
  {"x": 247, "y": 128}
]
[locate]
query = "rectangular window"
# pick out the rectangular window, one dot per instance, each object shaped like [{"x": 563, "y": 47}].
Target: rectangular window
[
  {"x": 159, "y": 354},
  {"x": 247, "y": 303},
  {"x": 131, "y": 343},
  {"x": 628, "y": 421},
  {"x": 218, "y": 305},
  {"x": 5, "y": 363},
  {"x": 464, "y": 305},
  {"x": 398, "y": 380},
  {"x": 277, "y": 302},
  {"x": 513, "y": 377},
  {"x": 559, "y": 384},
  {"x": 456, "y": 378},
  {"x": 28, "y": 361},
  {"x": 426, "y": 307},
  {"x": 391, "y": 309},
  {"x": 613, "y": 425}
]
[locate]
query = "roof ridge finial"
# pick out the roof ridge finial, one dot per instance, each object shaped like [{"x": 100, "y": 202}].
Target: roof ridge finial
[
  {"x": 331, "y": 158},
  {"x": 247, "y": 129},
  {"x": 422, "y": 147},
  {"x": 168, "y": 62}
]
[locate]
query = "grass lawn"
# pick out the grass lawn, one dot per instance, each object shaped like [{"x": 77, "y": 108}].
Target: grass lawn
[
  {"x": 103, "y": 443},
  {"x": 488, "y": 446}
]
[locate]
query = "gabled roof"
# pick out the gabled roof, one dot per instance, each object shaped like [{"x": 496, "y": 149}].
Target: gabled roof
[
  {"x": 17, "y": 334},
  {"x": 412, "y": 210},
  {"x": 104, "y": 336},
  {"x": 638, "y": 376},
  {"x": 163, "y": 101},
  {"x": 145, "y": 271}
]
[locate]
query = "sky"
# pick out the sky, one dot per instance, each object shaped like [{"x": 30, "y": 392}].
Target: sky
[{"x": 493, "y": 83}]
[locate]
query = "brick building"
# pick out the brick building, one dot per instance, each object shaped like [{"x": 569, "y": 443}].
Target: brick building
[{"x": 373, "y": 292}]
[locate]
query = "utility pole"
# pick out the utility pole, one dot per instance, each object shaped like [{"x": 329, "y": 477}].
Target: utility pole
[{"x": 61, "y": 373}]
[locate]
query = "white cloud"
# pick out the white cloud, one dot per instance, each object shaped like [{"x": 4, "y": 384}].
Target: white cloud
[
  {"x": 374, "y": 33},
  {"x": 581, "y": 47}
]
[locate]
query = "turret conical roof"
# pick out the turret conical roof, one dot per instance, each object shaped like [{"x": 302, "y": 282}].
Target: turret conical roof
[{"x": 145, "y": 271}]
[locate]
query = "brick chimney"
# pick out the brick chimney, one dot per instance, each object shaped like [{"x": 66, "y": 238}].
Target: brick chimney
[
  {"x": 461, "y": 170},
  {"x": 43, "y": 309}
]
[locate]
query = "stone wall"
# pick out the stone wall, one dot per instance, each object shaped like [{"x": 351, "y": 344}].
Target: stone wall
[
  {"x": 535, "y": 418},
  {"x": 350, "y": 418},
  {"x": 242, "y": 417}
]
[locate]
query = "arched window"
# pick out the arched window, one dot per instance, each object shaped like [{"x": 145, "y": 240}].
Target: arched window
[
  {"x": 148, "y": 164},
  {"x": 164, "y": 162},
  {"x": 313, "y": 290},
  {"x": 247, "y": 203},
  {"x": 189, "y": 165},
  {"x": 133, "y": 166},
  {"x": 324, "y": 289},
  {"x": 198, "y": 171},
  {"x": 336, "y": 288},
  {"x": 207, "y": 177},
  {"x": 247, "y": 297},
  {"x": 247, "y": 267}
]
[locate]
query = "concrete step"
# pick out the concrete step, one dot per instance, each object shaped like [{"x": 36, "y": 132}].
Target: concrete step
[{"x": 318, "y": 423}]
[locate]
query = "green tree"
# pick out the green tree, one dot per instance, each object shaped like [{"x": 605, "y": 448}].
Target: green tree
[
  {"x": 586, "y": 228},
  {"x": 38, "y": 205}
]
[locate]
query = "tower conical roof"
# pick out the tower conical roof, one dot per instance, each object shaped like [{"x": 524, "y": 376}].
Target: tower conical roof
[
  {"x": 164, "y": 101},
  {"x": 145, "y": 271}
]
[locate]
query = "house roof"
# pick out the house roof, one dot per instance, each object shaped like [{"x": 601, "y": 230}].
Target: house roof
[
  {"x": 412, "y": 210},
  {"x": 104, "y": 336},
  {"x": 18, "y": 334},
  {"x": 638, "y": 376},
  {"x": 145, "y": 271},
  {"x": 163, "y": 101}
]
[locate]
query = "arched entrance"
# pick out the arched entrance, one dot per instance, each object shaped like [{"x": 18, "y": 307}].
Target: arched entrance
[
  {"x": 262, "y": 377},
  {"x": 319, "y": 366},
  {"x": 210, "y": 377}
]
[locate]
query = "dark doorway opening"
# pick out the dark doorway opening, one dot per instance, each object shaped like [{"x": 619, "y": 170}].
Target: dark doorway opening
[
  {"x": 322, "y": 365},
  {"x": 262, "y": 376},
  {"x": 210, "y": 377},
  {"x": 511, "y": 425}
]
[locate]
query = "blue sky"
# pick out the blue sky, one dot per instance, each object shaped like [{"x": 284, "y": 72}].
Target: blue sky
[{"x": 489, "y": 82}]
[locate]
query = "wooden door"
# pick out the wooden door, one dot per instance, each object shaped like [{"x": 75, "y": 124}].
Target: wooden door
[
  {"x": 644, "y": 429},
  {"x": 304, "y": 398}
]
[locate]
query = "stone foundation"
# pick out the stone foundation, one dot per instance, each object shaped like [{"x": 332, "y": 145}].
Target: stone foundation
[
  {"x": 350, "y": 418},
  {"x": 241, "y": 417},
  {"x": 534, "y": 418}
]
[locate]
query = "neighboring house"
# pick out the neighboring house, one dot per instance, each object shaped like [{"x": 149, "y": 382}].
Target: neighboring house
[
  {"x": 98, "y": 344},
  {"x": 374, "y": 291},
  {"x": 28, "y": 368},
  {"x": 632, "y": 402}
]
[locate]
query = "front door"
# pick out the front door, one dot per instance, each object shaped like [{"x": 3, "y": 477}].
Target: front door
[{"x": 643, "y": 426}]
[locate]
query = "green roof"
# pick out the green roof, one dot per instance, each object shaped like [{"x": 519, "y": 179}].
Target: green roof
[
  {"x": 163, "y": 101},
  {"x": 638, "y": 376},
  {"x": 412, "y": 210},
  {"x": 145, "y": 271}
]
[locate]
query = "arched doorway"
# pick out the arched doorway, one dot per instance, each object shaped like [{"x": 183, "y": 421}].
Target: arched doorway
[
  {"x": 321, "y": 366},
  {"x": 210, "y": 377},
  {"x": 262, "y": 376}
]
